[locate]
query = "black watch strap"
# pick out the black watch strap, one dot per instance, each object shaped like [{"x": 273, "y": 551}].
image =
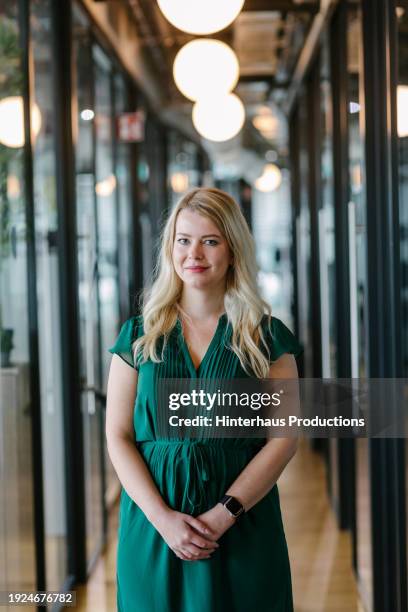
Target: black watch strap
[{"x": 234, "y": 507}]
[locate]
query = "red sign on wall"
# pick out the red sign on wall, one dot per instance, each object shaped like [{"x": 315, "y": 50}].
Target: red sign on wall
[{"x": 130, "y": 126}]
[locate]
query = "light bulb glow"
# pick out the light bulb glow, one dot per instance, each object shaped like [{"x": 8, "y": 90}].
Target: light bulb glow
[
  {"x": 270, "y": 179},
  {"x": 87, "y": 114},
  {"x": 354, "y": 107},
  {"x": 219, "y": 118},
  {"x": 200, "y": 17},
  {"x": 402, "y": 110},
  {"x": 266, "y": 123},
  {"x": 12, "y": 122},
  {"x": 106, "y": 187},
  {"x": 271, "y": 155},
  {"x": 205, "y": 66},
  {"x": 179, "y": 182},
  {"x": 13, "y": 187}
]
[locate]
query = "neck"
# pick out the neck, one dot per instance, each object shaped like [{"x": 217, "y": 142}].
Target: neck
[{"x": 199, "y": 304}]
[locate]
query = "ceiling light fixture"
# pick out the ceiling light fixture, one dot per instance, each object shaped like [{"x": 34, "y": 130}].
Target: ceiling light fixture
[
  {"x": 219, "y": 118},
  {"x": 200, "y": 17},
  {"x": 204, "y": 67}
]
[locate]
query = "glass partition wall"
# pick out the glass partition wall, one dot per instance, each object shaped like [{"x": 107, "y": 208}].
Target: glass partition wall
[
  {"x": 103, "y": 209},
  {"x": 358, "y": 288},
  {"x": 17, "y": 521},
  {"x": 48, "y": 297},
  {"x": 326, "y": 221},
  {"x": 303, "y": 223}
]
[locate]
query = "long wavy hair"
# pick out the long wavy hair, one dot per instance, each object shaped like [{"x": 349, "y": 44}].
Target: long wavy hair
[{"x": 243, "y": 303}]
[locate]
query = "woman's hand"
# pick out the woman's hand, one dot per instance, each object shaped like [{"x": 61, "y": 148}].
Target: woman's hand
[
  {"x": 217, "y": 519},
  {"x": 188, "y": 537}
]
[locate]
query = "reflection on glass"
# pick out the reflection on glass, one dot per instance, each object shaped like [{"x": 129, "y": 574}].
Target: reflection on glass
[
  {"x": 303, "y": 239},
  {"x": 272, "y": 226},
  {"x": 88, "y": 262},
  {"x": 357, "y": 206},
  {"x": 403, "y": 171},
  {"x": 183, "y": 166},
  {"x": 403, "y": 184},
  {"x": 326, "y": 224},
  {"x": 358, "y": 286},
  {"x": 107, "y": 220},
  {"x": 124, "y": 201},
  {"x": 124, "y": 192},
  {"x": 46, "y": 224},
  {"x": 17, "y": 546}
]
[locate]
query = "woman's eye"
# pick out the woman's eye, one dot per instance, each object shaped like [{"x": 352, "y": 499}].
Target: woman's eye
[
  {"x": 211, "y": 242},
  {"x": 182, "y": 240}
]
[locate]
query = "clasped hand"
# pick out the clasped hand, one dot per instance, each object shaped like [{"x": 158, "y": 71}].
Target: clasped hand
[{"x": 194, "y": 538}]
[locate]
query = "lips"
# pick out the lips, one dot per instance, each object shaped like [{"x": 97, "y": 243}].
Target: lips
[{"x": 197, "y": 268}]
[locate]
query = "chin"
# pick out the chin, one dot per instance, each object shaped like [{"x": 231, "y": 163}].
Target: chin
[{"x": 197, "y": 283}]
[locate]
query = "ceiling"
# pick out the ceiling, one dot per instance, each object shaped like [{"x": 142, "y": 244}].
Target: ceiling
[{"x": 267, "y": 37}]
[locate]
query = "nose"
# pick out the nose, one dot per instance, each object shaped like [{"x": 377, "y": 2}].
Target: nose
[{"x": 195, "y": 250}]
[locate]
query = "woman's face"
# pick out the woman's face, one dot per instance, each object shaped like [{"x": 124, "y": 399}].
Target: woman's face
[{"x": 201, "y": 255}]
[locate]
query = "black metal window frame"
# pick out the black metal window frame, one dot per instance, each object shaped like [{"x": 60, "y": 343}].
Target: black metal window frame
[
  {"x": 23, "y": 7},
  {"x": 384, "y": 296}
]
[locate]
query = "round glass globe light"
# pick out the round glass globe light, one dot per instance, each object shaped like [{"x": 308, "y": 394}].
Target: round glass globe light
[
  {"x": 200, "y": 16},
  {"x": 205, "y": 66},
  {"x": 12, "y": 121},
  {"x": 219, "y": 118}
]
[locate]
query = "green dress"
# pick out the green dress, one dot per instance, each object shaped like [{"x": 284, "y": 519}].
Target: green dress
[{"x": 250, "y": 570}]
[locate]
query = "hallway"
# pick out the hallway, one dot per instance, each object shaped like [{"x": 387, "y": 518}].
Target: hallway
[
  {"x": 320, "y": 555},
  {"x": 104, "y": 130}
]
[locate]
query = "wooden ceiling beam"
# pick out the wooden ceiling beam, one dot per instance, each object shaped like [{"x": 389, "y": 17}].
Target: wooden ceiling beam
[
  {"x": 285, "y": 6},
  {"x": 265, "y": 78},
  {"x": 309, "y": 6}
]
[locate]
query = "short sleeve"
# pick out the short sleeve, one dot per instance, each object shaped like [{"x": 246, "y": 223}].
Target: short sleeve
[
  {"x": 130, "y": 331},
  {"x": 280, "y": 339}
]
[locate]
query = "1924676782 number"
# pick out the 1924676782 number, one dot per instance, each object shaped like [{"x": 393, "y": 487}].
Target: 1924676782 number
[{"x": 19, "y": 598}]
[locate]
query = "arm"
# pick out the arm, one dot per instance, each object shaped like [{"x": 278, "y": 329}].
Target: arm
[
  {"x": 180, "y": 531},
  {"x": 263, "y": 471}
]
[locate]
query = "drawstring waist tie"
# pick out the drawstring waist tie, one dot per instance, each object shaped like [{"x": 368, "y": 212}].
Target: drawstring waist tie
[{"x": 198, "y": 454}]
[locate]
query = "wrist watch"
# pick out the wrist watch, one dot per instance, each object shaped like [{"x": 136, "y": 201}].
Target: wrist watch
[{"x": 234, "y": 507}]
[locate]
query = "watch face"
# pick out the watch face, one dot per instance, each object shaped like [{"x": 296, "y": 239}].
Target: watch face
[{"x": 233, "y": 506}]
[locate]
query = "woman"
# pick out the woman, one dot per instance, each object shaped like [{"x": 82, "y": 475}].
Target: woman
[{"x": 200, "y": 523}]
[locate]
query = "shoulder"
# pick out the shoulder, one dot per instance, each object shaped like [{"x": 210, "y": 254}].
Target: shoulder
[
  {"x": 279, "y": 338},
  {"x": 132, "y": 328}
]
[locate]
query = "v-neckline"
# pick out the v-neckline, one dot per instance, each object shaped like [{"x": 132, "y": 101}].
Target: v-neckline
[{"x": 208, "y": 352}]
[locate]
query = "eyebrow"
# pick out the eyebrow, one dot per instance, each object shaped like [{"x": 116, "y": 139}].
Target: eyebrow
[{"x": 205, "y": 236}]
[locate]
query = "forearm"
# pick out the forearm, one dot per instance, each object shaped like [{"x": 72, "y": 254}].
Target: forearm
[
  {"x": 263, "y": 471},
  {"x": 135, "y": 477}
]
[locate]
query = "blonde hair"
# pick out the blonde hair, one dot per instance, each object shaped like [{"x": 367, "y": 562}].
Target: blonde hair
[{"x": 243, "y": 303}]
